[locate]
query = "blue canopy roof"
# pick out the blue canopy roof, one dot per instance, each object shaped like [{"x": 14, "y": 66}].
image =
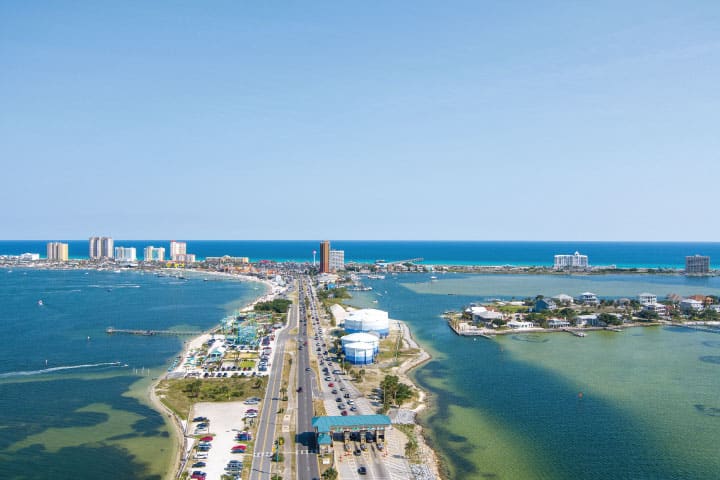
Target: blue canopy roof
[{"x": 338, "y": 423}]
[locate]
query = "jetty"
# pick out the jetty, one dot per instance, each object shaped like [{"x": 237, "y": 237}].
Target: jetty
[
  {"x": 148, "y": 333},
  {"x": 574, "y": 332}
]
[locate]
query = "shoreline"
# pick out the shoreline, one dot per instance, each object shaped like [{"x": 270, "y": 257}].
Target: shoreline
[
  {"x": 177, "y": 428},
  {"x": 404, "y": 371}
]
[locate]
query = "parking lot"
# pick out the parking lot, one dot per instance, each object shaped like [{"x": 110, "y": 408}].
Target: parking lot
[{"x": 225, "y": 421}]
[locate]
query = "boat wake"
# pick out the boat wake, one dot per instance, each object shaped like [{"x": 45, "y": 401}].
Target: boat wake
[{"x": 58, "y": 369}]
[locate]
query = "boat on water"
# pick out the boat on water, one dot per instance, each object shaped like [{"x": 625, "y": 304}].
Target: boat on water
[
  {"x": 433, "y": 279},
  {"x": 40, "y": 303}
]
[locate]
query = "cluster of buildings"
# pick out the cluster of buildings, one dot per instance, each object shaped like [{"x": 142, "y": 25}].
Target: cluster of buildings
[
  {"x": 331, "y": 261},
  {"x": 103, "y": 248}
]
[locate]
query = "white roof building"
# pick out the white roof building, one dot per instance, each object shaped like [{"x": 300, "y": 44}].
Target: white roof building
[
  {"x": 558, "y": 323},
  {"x": 690, "y": 305},
  {"x": 647, "y": 298},
  {"x": 520, "y": 324}
]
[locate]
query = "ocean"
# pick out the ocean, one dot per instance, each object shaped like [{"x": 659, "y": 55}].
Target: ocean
[
  {"x": 641, "y": 404},
  {"x": 72, "y": 398},
  {"x": 621, "y": 254}
]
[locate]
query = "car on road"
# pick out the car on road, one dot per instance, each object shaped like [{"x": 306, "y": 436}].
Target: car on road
[
  {"x": 344, "y": 413},
  {"x": 198, "y": 465},
  {"x": 331, "y": 384},
  {"x": 353, "y": 408},
  {"x": 308, "y": 369},
  {"x": 299, "y": 389},
  {"x": 200, "y": 419},
  {"x": 362, "y": 470},
  {"x": 357, "y": 452}
]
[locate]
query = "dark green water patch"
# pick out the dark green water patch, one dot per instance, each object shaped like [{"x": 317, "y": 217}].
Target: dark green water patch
[
  {"x": 530, "y": 338},
  {"x": 90, "y": 462},
  {"x": 711, "y": 344},
  {"x": 711, "y": 359},
  {"x": 709, "y": 411},
  {"x": 33, "y": 407}
]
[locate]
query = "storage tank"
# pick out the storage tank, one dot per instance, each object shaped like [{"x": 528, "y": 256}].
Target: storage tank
[
  {"x": 368, "y": 320},
  {"x": 359, "y": 353},
  {"x": 362, "y": 337}
]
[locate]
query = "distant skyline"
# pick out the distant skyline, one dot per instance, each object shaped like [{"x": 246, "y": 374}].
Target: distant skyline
[{"x": 375, "y": 120}]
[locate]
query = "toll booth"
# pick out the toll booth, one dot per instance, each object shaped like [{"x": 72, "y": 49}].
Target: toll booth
[{"x": 349, "y": 428}]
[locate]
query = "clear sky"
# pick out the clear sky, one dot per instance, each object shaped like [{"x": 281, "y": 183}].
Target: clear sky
[{"x": 475, "y": 120}]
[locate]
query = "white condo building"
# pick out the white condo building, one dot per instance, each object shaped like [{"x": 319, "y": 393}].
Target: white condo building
[
  {"x": 125, "y": 254},
  {"x": 571, "y": 261},
  {"x": 337, "y": 260},
  {"x": 154, "y": 254}
]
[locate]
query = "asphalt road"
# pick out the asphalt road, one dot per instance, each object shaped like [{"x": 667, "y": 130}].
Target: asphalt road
[
  {"x": 261, "y": 464},
  {"x": 307, "y": 462}
]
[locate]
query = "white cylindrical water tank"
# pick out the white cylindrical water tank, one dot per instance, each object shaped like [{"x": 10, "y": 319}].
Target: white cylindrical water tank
[
  {"x": 362, "y": 337},
  {"x": 368, "y": 320},
  {"x": 359, "y": 353}
]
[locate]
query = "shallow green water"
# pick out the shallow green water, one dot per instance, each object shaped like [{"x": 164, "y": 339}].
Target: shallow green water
[
  {"x": 67, "y": 411},
  {"x": 643, "y": 404}
]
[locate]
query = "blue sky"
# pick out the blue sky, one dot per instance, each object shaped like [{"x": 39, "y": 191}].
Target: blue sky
[{"x": 360, "y": 120}]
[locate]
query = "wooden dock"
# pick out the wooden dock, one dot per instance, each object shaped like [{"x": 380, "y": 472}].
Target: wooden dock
[
  {"x": 148, "y": 333},
  {"x": 574, "y": 332}
]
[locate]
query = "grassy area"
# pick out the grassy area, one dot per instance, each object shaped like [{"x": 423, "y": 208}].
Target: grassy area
[
  {"x": 180, "y": 395},
  {"x": 513, "y": 308},
  {"x": 319, "y": 408}
]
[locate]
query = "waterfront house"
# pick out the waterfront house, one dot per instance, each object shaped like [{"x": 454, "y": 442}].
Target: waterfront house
[
  {"x": 545, "y": 304},
  {"x": 647, "y": 298},
  {"x": 563, "y": 299},
  {"x": 688, "y": 305},
  {"x": 557, "y": 323},
  {"x": 658, "y": 308},
  {"x": 588, "y": 298},
  {"x": 590, "y": 320},
  {"x": 519, "y": 324}
]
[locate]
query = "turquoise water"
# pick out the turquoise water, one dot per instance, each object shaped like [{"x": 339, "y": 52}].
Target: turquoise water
[
  {"x": 66, "y": 409},
  {"x": 643, "y": 404}
]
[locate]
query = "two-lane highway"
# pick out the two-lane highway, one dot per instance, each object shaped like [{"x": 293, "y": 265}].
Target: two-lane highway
[
  {"x": 307, "y": 465},
  {"x": 261, "y": 463}
]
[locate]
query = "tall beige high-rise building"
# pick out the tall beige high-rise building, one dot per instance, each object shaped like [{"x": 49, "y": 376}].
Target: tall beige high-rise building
[
  {"x": 101, "y": 247},
  {"x": 177, "y": 249},
  {"x": 57, "y": 251}
]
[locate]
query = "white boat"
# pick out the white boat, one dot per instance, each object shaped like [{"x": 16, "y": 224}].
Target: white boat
[{"x": 40, "y": 303}]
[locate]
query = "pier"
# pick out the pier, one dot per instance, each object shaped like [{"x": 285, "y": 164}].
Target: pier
[
  {"x": 148, "y": 333},
  {"x": 574, "y": 332}
]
